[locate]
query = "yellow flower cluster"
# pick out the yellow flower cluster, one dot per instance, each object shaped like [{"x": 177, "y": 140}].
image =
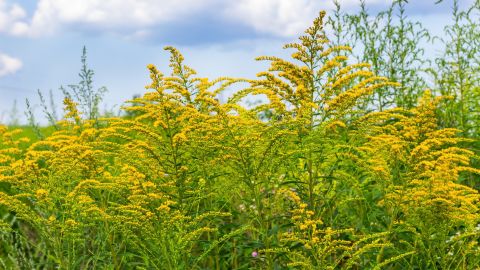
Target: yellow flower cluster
[
  {"x": 422, "y": 166},
  {"x": 305, "y": 179}
]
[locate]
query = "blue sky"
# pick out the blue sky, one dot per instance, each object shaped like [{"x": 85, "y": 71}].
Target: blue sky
[{"x": 41, "y": 41}]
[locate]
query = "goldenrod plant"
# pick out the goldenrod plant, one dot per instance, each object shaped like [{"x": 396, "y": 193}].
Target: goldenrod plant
[{"x": 307, "y": 179}]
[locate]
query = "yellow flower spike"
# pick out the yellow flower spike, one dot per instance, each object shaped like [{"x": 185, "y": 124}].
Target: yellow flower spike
[
  {"x": 71, "y": 223},
  {"x": 179, "y": 138},
  {"x": 41, "y": 193},
  {"x": 71, "y": 110}
]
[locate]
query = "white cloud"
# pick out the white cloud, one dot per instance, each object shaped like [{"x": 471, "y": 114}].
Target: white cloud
[
  {"x": 135, "y": 18},
  {"x": 11, "y": 18},
  {"x": 9, "y": 65},
  {"x": 284, "y": 17},
  {"x": 280, "y": 17}
]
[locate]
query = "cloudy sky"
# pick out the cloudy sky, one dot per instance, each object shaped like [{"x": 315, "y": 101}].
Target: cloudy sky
[{"x": 41, "y": 40}]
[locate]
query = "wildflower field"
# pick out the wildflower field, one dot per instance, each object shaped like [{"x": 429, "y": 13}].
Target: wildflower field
[{"x": 343, "y": 164}]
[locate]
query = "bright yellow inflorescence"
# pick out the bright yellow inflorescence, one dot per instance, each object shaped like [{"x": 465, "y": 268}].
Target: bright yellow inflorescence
[{"x": 304, "y": 180}]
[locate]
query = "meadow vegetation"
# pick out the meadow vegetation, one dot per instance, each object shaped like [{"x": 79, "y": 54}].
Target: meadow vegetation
[{"x": 351, "y": 162}]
